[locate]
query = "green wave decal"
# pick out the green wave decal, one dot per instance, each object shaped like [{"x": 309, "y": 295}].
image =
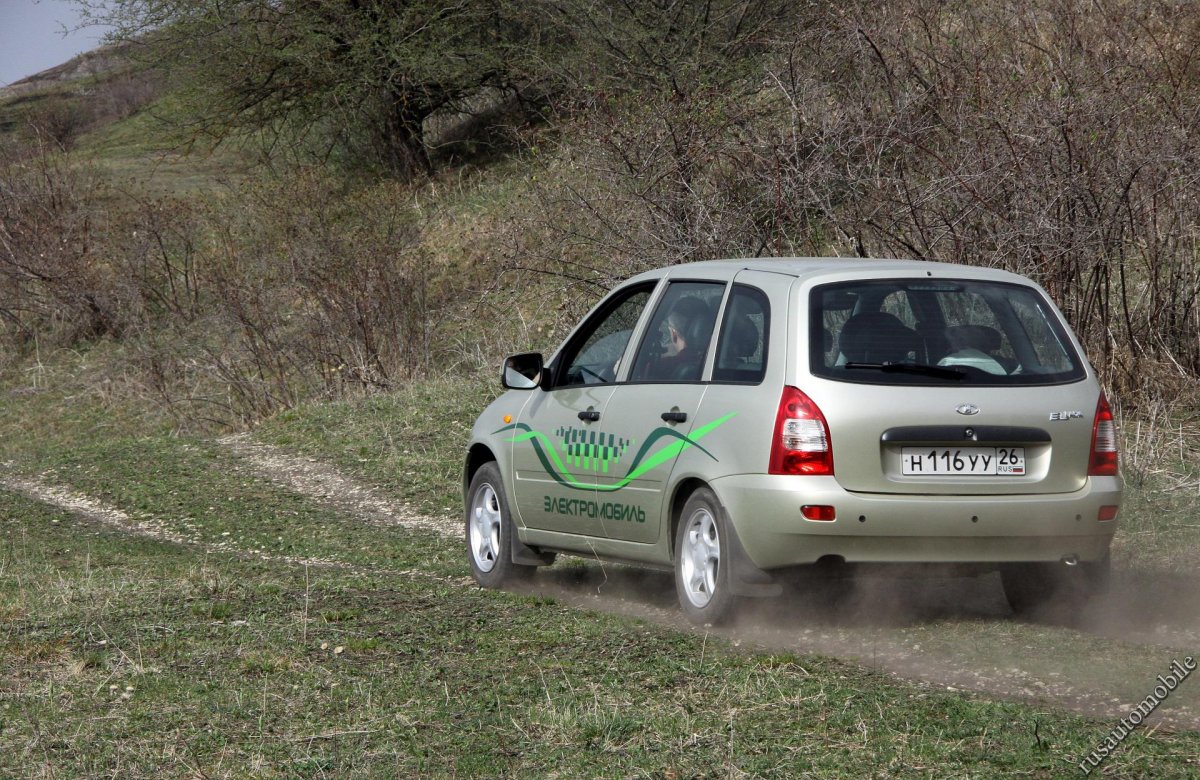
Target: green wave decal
[{"x": 543, "y": 446}]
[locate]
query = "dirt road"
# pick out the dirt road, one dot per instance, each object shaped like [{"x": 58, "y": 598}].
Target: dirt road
[{"x": 951, "y": 633}]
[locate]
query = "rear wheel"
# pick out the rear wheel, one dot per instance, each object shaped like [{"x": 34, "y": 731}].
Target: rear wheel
[
  {"x": 701, "y": 570},
  {"x": 489, "y": 531},
  {"x": 1054, "y": 590}
]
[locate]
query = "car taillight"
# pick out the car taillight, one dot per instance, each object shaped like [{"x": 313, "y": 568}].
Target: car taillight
[
  {"x": 1103, "y": 461},
  {"x": 801, "y": 443}
]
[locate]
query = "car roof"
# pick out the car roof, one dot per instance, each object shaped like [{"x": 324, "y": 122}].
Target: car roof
[{"x": 807, "y": 267}]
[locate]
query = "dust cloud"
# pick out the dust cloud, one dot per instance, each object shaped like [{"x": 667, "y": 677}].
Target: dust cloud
[{"x": 948, "y": 632}]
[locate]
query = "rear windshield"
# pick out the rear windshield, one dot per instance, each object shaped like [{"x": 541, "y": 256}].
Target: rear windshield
[{"x": 925, "y": 331}]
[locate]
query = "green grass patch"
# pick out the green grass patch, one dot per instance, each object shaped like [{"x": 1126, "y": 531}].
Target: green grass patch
[
  {"x": 410, "y": 443},
  {"x": 201, "y": 491},
  {"x": 113, "y": 665},
  {"x": 191, "y": 487},
  {"x": 1160, "y": 522},
  {"x": 156, "y": 151},
  {"x": 205, "y": 659}
]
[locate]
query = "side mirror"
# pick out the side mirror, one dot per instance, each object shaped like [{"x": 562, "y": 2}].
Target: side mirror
[{"x": 522, "y": 372}]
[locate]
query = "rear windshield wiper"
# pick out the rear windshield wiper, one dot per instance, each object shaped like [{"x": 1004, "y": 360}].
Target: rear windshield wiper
[{"x": 912, "y": 368}]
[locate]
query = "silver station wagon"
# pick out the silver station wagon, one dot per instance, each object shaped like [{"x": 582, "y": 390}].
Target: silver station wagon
[{"x": 747, "y": 423}]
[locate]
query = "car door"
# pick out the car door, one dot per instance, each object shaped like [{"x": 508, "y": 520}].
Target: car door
[
  {"x": 559, "y": 440},
  {"x": 653, "y": 413}
]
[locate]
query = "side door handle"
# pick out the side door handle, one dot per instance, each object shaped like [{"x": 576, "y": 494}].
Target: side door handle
[
  {"x": 675, "y": 417},
  {"x": 589, "y": 415}
]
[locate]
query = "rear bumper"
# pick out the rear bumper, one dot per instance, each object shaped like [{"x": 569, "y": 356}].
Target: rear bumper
[{"x": 891, "y": 528}]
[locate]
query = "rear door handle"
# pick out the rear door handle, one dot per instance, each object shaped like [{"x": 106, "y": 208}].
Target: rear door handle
[
  {"x": 675, "y": 417},
  {"x": 590, "y": 415}
]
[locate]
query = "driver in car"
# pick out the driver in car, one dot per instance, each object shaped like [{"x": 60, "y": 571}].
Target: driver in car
[{"x": 689, "y": 327}]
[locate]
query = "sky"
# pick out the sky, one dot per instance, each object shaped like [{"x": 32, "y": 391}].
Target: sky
[{"x": 32, "y": 40}]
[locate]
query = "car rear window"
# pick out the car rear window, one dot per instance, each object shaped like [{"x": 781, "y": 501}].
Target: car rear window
[{"x": 925, "y": 331}]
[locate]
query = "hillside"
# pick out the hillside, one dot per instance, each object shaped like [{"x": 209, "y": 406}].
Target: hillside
[
  {"x": 862, "y": 132},
  {"x": 86, "y": 67},
  {"x": 82, "y": 94},
  {"x": 244, "y": 332}
]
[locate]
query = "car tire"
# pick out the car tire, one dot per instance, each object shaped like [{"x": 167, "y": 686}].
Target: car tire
[
  {"x": 489, "y": 531},
  {"x": 1054, "y": 591},
  {"x": 701, "y": 561}
]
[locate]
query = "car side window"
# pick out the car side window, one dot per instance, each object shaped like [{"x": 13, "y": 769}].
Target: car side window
[
  {"x": 594, "y": 356},
  {"x": 742, "y": 344},
  {"x": 676, "y": 343}
]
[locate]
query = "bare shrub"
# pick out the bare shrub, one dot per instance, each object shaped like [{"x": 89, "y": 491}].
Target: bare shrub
[
  {"x": 158, "y": 246},
  {"x": 59, "y": 120},
  {"x": 317, "y": 291},
  {"x": 229, "y": 309},
  {"x": 124, "y": 94},
  {"x": 651, "y": 184},
  {"x": 54, "y": 278},
  {"x": 1054, "y": 139}
]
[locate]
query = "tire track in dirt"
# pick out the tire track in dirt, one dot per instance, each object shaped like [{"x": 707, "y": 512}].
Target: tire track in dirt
[
  {"x": 323, "y": 483},
  {"x": 91, "y": 509},
  {"x": 642, "y": 594},
  {"x": 158, "y": 529},
  {"x": 875, "y": 636},
  {"x": 896, "y": 636}
]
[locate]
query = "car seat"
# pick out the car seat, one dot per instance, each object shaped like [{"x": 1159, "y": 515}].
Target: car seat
[
  {"x": 739, "y": 343},
  {"x": 975, "y": 346},
  {"x": 879, "y": 337},
  {"x": 979, "y": 337}
]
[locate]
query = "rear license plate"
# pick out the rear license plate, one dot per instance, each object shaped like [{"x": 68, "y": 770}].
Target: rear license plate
[{"x": 963, "y": 461}]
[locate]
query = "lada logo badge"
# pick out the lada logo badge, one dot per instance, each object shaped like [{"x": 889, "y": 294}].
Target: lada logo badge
[{"x": 967, "y": 409}]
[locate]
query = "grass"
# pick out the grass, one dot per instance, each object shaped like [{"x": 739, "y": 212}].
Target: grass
[
  {"x": 1160, "y": 527},
  {"x": 145, "y": 158},
  {"x": 203, "y": 658},
  {"x": 154, "y": 657},
  {"x": 409, "y": 443},
  {"x": 398, "y": 444},
  {"x": 146, "y": 152}
]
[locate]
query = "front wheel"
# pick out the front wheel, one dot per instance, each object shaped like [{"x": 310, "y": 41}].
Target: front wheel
[
  {"x": 701, "y": 566},
  {"x": 489, "y": 531}
]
